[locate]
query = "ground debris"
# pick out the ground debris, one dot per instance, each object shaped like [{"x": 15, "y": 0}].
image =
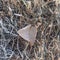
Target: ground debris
[{"x": 44, "y": 15}]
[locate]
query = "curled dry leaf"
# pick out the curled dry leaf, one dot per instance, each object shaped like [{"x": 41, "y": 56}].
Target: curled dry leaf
[{"x": 28, "y": 33}]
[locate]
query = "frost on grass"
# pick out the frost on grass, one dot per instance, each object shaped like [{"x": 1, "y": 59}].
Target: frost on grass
[{"x": 17, "y": 14}]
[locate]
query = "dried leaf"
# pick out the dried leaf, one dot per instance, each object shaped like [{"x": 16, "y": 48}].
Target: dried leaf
[{"x": 28, "y": 33}]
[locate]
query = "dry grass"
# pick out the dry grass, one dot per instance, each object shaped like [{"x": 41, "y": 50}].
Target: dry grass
[{"x": 16, "y": 14}]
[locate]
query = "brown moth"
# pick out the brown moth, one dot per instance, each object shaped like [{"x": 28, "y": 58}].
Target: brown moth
[{"x": 28, "y": 33}]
